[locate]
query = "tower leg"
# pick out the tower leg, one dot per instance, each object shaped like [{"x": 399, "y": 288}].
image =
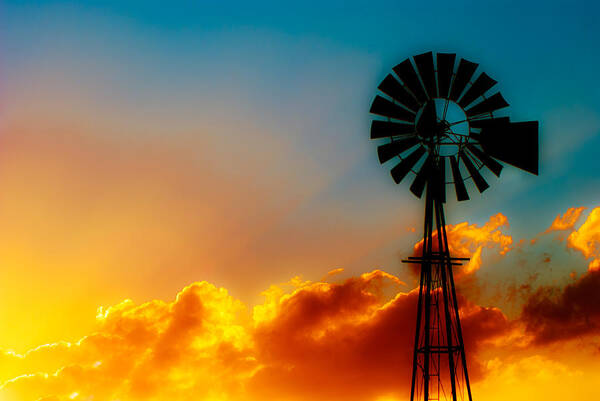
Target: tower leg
[
  {"x": 455, "y": 305},
  {"x": 438, "y": 333},
  {"x": 446, "y": 269}
]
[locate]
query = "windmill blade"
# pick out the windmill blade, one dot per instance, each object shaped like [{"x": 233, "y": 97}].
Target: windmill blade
[
  {"x": 392, "y": 149},
  {"x": 481, "y": 85},
  {"x": 486, "y": 122},
  {"x": 384, "y": 107},
  {"x": 480, "y": 182},
  {"x": 385, "y": 129},
  {"x": 424, "y": 64},
  {"x": 463, "y": 76},
  {"x": 445, "y": 68},
  {"x": 490, "y": 104},
  {"x": 428, "y": 121},
  {"x": 459, "y": 184},
  {"x": 513, "y": 143},
  {"x": 391, "y": 87},
  {"x": 409, "y": 77},
  {"x": 490, "y": 163},
  {"x": 399, "y": 172},
  {"x": 423, "y": 176}
]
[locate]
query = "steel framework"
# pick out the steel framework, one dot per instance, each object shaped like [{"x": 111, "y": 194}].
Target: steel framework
[{"x": 438, "y": 334}]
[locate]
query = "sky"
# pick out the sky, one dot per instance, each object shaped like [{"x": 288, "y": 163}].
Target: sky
[{"x": 191, "y": 204}]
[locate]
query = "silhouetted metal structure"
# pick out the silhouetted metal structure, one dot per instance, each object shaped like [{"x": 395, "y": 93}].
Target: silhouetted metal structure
[{"x": 433, "y": 115}]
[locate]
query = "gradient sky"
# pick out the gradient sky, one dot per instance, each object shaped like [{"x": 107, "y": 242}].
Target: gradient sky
[{"x": 146, "y": 147}]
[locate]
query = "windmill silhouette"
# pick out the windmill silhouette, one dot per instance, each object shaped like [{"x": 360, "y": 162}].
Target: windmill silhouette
[{"x": 434, "y": 115}]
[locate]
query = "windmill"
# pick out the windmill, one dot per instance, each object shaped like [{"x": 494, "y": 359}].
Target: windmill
[{"x": 427, "y": 118}]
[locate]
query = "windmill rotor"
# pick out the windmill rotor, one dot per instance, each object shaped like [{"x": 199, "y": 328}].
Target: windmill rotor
[{"x": 412, "y": 122}]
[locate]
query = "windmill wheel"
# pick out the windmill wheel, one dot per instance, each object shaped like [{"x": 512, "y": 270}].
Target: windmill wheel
[{"x": 440, "y": 113}]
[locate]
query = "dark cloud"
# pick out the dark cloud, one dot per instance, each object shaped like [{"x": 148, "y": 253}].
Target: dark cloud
[
  {"x": 340, "y": 341},
  {"x": 554, "y": 313}
]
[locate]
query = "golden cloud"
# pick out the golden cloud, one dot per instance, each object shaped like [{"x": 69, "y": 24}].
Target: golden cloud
[
  {"x": 468, "y": 240},
  {"x": 587, "y": 239},
  {"x": 567, "y": 221},
  {"x": 196, "y": 344}
]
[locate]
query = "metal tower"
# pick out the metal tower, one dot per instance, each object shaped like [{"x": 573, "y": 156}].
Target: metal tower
[
  {"x": 434, "y": 115},
  {"x": 439, "y": 361}
]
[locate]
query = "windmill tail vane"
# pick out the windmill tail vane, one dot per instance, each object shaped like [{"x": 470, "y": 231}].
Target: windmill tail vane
[{"x": 427, "y": 118}]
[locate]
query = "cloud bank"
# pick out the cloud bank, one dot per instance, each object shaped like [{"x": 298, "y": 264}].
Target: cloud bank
[
  {"x": 342, "y": 340},
  {"x": 323, "y": 341}
]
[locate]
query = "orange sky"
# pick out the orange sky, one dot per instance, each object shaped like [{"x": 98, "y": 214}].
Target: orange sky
[
  {"x": 100, "y": 203},
  {"x": 338, "y": 338}
]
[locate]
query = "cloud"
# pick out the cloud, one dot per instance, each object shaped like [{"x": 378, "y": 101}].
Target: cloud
[
  {"x": 554, "y": 314},
  {"x": 567, "y": 221},
  {"x": 587, "y": 239},
  {"x": 336, "y": 341},
  {"x": 468, "y": 240},
  {"x": 158, "y": 350},
  {"x": 350, "y": 340}
]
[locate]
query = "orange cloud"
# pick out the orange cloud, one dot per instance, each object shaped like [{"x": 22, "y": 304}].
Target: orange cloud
[
  {"x": 322, "y": 341},
  {"x": 587, "y": 239},
  {"x": 468, "y": 240},
  {"x": 567, "y": 221}
]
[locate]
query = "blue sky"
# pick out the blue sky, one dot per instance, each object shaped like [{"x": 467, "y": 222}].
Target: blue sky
[{"x": 544, "y": 54}]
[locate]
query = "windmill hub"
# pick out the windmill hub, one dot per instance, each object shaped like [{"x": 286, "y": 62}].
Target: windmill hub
[
  {"x": 442, "y": 127},
  {"x": 439, "y": 129}
]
